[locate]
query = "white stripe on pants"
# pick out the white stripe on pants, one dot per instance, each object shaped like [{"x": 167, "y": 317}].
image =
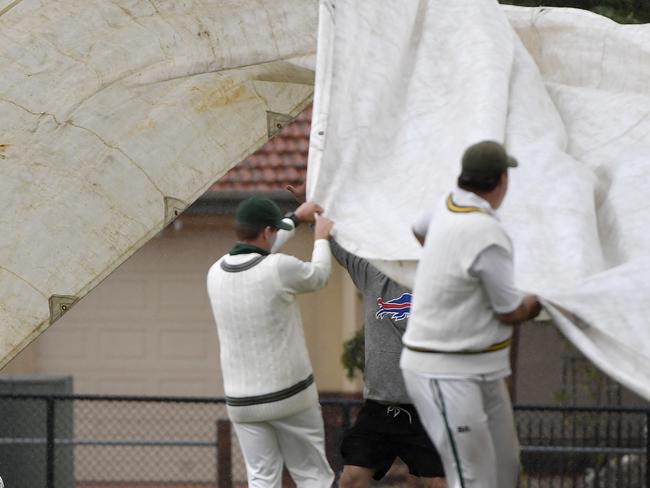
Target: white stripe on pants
[
  {"x": 297, "y": 440},
  {"x": 472, "y": 425}
]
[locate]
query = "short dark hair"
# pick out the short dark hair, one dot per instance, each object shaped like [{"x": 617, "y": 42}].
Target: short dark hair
[
  {"x": 480, "y": 183},
  {"x": 248, "y": 232}
]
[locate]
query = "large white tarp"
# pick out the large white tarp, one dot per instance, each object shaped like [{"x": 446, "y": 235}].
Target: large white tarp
[
  {"x": 404, "y": 87},
  {"x": 116, "y": 115}
]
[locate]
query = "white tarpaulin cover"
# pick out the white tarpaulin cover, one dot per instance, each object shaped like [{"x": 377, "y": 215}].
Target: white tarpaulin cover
[
  {"x": 404, "y": 87},
  {"x": 116, "y": 115}
]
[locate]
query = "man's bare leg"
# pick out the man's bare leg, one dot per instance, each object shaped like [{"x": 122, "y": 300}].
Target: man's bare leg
[
  {"x": 428, "y": 482},
  {"x": 355, "y": 477},
  {"x": 358, "y": 477}
]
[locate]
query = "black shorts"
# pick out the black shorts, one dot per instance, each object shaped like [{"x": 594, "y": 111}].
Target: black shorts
[{"x": 383, "y": 432}]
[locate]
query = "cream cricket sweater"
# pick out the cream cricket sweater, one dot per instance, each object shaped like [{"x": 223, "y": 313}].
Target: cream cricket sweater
[
  {"x": 453, "y": 329},
  {"x": 266, "y": 369}
]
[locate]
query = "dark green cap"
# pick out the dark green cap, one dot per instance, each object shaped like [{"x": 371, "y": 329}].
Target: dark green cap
[
  {"x": 260, "y": 211},
  {"x": 486, "y": 158}
]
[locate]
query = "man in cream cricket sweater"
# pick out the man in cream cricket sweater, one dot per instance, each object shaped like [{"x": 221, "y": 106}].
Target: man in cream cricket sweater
[
  {"x": 271, "y": 397},
  {"x": 457, "y": 343}
]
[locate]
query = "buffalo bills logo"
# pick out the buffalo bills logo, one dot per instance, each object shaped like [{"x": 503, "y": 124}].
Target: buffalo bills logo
[{"x": 396, "y": 309}]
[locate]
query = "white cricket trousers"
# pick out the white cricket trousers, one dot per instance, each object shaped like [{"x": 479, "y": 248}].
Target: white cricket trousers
[
  {"x": 472, "y": 425},
  {"x": 297, "y": 440}
]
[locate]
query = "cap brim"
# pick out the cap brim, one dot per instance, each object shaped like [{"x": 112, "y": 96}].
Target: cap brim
[
  {"x": 512, "y": 162},
  {"x": 284, "y": 226}
]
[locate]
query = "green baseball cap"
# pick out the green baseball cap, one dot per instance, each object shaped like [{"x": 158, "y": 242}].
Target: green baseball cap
[
  {"x": 260, "y": 211},
  {"x": 486, "y": 158}
]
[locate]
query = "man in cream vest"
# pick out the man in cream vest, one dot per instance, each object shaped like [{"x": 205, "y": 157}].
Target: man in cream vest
[
  {"x": 268, "y": 380},
  {"x": 457, "y": 343}
]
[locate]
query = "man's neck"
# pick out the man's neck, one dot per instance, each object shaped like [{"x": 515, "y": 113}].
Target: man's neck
[
  {"x": 491, "y": 197},
  {"x": 242, "y": 248},
  {"x": 260, "y": 242},
  {"x": 485, "y": 196}
]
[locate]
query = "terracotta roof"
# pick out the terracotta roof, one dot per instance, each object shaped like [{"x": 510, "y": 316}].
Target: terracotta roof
[{"x": 280, "y": 162}]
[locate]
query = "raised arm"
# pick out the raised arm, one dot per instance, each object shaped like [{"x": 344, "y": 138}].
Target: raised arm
[
  {"x": 356, "y": 267},
  {"x": 302, "y": 277},
  {"x": 304, "y": 213}
]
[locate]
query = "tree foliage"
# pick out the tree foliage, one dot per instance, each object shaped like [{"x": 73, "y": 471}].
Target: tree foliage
[
  {"x": 622, "y": 11},
  {"x": 353, "y": 357}
]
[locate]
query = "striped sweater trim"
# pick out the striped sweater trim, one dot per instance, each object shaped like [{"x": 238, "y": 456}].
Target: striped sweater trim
[
  {"x": 236, "y": 268},
  {"x": 270, "y": 397},
  {"x": 453, "y": 207},
  {"x": 494, "y": 347}
]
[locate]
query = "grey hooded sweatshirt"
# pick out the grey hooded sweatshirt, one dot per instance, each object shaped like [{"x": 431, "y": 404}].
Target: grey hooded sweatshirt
[{"x": 386, "y": 307}]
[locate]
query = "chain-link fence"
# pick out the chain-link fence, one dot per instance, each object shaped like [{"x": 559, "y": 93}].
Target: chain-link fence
[{"x": 137, "y": 442}]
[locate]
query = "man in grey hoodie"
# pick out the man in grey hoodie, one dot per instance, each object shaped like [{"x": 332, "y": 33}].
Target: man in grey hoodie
[{"x": 388, "y": 425}]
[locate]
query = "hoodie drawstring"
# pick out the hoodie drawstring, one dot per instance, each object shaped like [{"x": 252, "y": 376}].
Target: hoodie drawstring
[{"x": 395, "y": 411}]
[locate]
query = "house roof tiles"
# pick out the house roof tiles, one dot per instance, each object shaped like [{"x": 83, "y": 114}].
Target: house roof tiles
[{"x": 280, "y": 162}]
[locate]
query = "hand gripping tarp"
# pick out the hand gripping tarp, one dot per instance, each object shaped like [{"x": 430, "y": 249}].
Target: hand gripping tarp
[
  {"x": 116, "y": 115},
  {"x": 404, "y": 87}
]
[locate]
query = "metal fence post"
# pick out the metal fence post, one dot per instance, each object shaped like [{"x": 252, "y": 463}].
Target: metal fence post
[
  {"x": 49, "y": 425},
  {"x": 514, "y": 357},
  {"x": 647, "y": 448},
  {"x": 224, "y": 455},
  {"x": 347, "y": 418}
]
